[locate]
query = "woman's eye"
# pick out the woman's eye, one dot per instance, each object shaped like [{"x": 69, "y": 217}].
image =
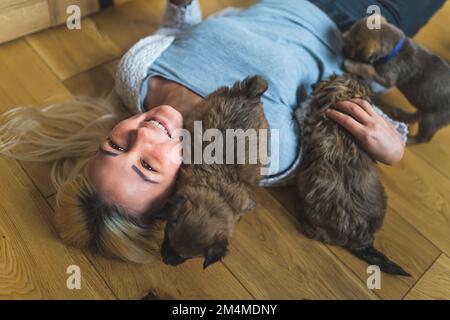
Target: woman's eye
[
  {"x": 115, "y": 146},
  {"x": 146, "y": 166}
]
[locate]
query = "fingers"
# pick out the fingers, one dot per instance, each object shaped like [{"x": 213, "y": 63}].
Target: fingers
[
  {"x": 355, "y": 110},
  {"x": 348, "y": 122},
  {"x": 365, "y": 105}
]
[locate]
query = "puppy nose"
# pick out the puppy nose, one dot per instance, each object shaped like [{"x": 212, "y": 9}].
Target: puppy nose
[
  {"x": 169, "y": 255},
  {"x": 173, "y": 260}
]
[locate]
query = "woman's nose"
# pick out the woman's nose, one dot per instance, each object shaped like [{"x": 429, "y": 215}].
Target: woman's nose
[{"x": 136, "y": 140}]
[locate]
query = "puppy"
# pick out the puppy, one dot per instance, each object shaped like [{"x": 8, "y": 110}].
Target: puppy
[
  {"x": 390, "y": 58},
  {"x": 342, "y": 200},
  {"x": 209, "y": 199}
]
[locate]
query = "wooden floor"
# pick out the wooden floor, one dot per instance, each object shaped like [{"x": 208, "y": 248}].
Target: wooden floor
[{"x": 269, "y": 258}]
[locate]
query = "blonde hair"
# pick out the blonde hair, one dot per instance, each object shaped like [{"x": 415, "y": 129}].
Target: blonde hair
[{"x": 68, "y": 134}]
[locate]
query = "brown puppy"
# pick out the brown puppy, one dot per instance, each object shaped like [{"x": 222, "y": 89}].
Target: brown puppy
[
  {"x": 390, "y": 58},
  {"x": 210, "y": 198},
  {"x": 342, "y": 200}
]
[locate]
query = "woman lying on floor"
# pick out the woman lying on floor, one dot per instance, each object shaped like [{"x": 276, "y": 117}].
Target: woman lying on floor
[{"x": 106, "y": 195}]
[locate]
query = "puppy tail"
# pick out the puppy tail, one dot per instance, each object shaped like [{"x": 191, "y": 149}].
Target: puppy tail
[
  {"x": 374, "y": 257},
  {"x": 251, "y": 87}
]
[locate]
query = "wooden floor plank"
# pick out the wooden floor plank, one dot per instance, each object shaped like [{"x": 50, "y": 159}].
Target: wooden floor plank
[
  {"x": 126, "y": 24},
  {"x": 435, "y": 284},
  {"x": 397, "y": 239},
  {"x": 25, "y": 80},
  {"x": 421, "y": 195},
  {"x": 187, "y": 281},
  {"x": 130, "y": 22},
  {"x": 436, "y": 153},
  {"x": 96, "y": 82},
  {"x": 405, "y": 246},
  {"x": 274, "y": 261},
  {"x": 33, "y": 261},
  {"x": 69, "y": 52},
  {"x": 435, "y": 35}
]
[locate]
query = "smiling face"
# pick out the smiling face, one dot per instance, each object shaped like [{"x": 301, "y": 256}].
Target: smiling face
[{"x": 137, "y": 165}]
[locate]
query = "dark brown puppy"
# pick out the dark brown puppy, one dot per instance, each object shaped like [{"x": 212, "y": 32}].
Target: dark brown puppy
[
  {"x": 390, "y": 58},
  {"x": 342, "y": 200},
  {"x": 210, "y": 198}
]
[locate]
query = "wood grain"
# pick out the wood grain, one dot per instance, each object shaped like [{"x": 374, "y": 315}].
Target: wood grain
[
  {"x": 96, "y": 82},
  {"x": 434, "y": 35},
  {"x": 274, "y": 261},
  {"x": 33, "y": 262},
  {"x": 397, "y": 239},
  {"x": 22, "y": 17},
  {"x": 69, "y": 52},
  {"x": 58, "y": 9},
  {"x": 18, "y": 18},
  {"x": 435, "y": 284},
  {"x": 421, "y": 195},
  {"x": 25, "y": 80},
  {"x": 187, "y": 281},
  {"x": 126, "y": 24}
]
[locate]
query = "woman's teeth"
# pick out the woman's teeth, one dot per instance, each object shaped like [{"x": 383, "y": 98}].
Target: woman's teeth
[{"x": 160, "y": 126}]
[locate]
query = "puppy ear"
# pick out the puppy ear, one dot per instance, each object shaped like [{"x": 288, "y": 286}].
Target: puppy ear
[
  {"x": 169, "y": 212},
  {"x": 215, "y": 253},
  {"x": 252, "y": 87}
]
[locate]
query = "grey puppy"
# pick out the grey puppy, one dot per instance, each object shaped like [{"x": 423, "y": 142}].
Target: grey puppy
[{"x": 390, "y": 58}]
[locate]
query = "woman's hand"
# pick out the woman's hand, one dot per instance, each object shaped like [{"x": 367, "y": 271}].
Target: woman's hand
[{"x": 377, "y": 136}]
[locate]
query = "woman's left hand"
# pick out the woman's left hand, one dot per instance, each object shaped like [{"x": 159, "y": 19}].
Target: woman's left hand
[{"x": 377, "y": 136}]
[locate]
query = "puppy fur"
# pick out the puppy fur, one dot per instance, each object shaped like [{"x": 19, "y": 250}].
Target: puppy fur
[
  {"x": 422, "y": 77},
  {"x": 342, "y": 201},
  {"x": 210, "y": 198}
]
